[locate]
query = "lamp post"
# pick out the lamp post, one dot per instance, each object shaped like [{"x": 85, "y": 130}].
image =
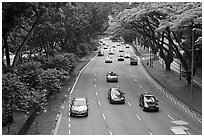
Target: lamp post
[{"x": 192, "y": 48}]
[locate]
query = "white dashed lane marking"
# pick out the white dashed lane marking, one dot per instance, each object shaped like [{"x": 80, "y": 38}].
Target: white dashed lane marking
[
  {"x": 99, "y": 103},
  {"x": 140, "y": 86},
  {"x": 138, "y": 117},
  {"x": 170, "y": 117},
  {"x": 103, "y": 116},
  {"x": 110, "y": 133},
  {"x": 129, "y": 104}
]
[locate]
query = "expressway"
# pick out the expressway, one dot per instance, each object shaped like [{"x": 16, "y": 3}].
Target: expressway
[{"x": 122, "y": 119}]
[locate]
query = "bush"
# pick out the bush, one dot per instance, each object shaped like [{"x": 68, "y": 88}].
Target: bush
[
  {"x": 65, "y": 61},
  {"x": 52, "y": 79},
  {"x": 29, "y": 73}
]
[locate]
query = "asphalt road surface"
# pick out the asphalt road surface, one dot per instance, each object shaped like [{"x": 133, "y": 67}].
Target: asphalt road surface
[{"x": 123, "y": 119}]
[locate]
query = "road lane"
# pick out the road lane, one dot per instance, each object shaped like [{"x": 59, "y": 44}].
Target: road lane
[{"x": 123, "y": 119}]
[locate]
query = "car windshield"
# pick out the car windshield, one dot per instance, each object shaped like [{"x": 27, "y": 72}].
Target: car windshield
[
  {"x": 115, "y": 92},
  {"x": 112, "y": 74},
  {"x": 79, "y": 103},
  {"x": 149, "y": 98}
]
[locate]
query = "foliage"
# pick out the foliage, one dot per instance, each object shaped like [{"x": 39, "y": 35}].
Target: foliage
[
  {"x": 167, "y": 27},
  {"x": 51, "y": 80},
  {"x": 29, "y": 73}
]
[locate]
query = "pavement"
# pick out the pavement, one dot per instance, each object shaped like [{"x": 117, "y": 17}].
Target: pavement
[{"x": 171, "y": 82}]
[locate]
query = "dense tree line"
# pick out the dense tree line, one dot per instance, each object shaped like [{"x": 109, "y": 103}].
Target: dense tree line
[
  {"x": 45, "y": 41},
  {"x": 168, "y": 28}
]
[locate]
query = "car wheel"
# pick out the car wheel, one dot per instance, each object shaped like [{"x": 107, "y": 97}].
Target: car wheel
[
  {"x": 157, "y": 109},
  {"x": 144, "y": 108}
]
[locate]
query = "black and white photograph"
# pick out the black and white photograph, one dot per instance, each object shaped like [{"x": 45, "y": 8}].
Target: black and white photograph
[{"x": 101, "y": 67}]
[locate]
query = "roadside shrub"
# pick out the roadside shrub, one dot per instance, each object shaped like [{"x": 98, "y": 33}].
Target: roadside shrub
[
  {"x": 65, "y": 61},
  {"x": 52, "y": 80},
  {"x": 29, "y": 73}
]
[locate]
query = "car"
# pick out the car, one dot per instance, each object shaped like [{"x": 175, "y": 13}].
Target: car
[
  {"x": 133, "y": 60},
  {"x": 121, "y": 50},
  {"x": 115, "y": 95},
  {"x": 118, "y": 44},
  {"x": 79, "y": 107},
  {"x": 113, "y": 46},
  {"x": 95, "y": 48},
  {"x": 108, "y": 59},
  {"x": 100, "y": 53},
  {"x": 127, "y": 46},
  {"x": 105, "y": 47},
  {"x": 148, "y": 101},
  {"x": 127, "y": 55},
  {"x": 120, "y": 58},
  {"x": 111, "y": 76},
  {"x": 111, "y": 52}
]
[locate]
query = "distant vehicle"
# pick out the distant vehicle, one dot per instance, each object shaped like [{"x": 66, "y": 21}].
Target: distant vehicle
[
  {"x": 95, "y": 48},
  {"x": 115, "y": 95},
  {"x": 79, "y": 107},
  {"x": 113, "y": 46},
  {"x": 105, "y": 47},
  {"x": 127, "y": 55},
  {"x": 120, "y": 58},
  {"x": 133, "y": 60},
  {"x": 121, "y": 50},
  {"x": 111, "y": 52},
  {"x": 108, "y": 59},
  {"x": 127, "y": 46},
  {"x": 118, "y": 44},
  {"x": 111, "y": 77},
  {"x": 100, "y": 53},
  {"x": 148, "y": 101}
]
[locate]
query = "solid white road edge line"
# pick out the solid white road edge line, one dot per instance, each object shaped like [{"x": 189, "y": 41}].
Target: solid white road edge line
[
  {"x": 57, "y": 125},
  {"x": 59, "y": 120},
  {"x": 80, "y": 74}
]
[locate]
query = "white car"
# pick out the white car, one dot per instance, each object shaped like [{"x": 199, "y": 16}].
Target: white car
[
  {"x": 121, "y": 50},
  {"x": 111, "y": 77},
  {"x": 127, "y": 55},
  {"x": 111, "y": 52},
  {"x": 105, "y": 47},
  {"x": 133, "y": 60},
  {"x": 127, "y": 46},
  {"x": 108, "y": 59},
  {"x": 120, "y": 58},
  {"x": 79, "y": 107}
]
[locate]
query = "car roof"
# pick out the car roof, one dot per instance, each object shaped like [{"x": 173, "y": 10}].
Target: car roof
[
  {"x": 80, "y": 99},
  {"x": 148, "y": 94}
]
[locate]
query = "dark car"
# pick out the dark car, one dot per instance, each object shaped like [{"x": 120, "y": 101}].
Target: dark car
[
  {"x": 115, "y": 95},
  {"x": 79, "y": 107},
  {"x": 100, "y": 53},
  {"x": 148, "y": 102}
]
